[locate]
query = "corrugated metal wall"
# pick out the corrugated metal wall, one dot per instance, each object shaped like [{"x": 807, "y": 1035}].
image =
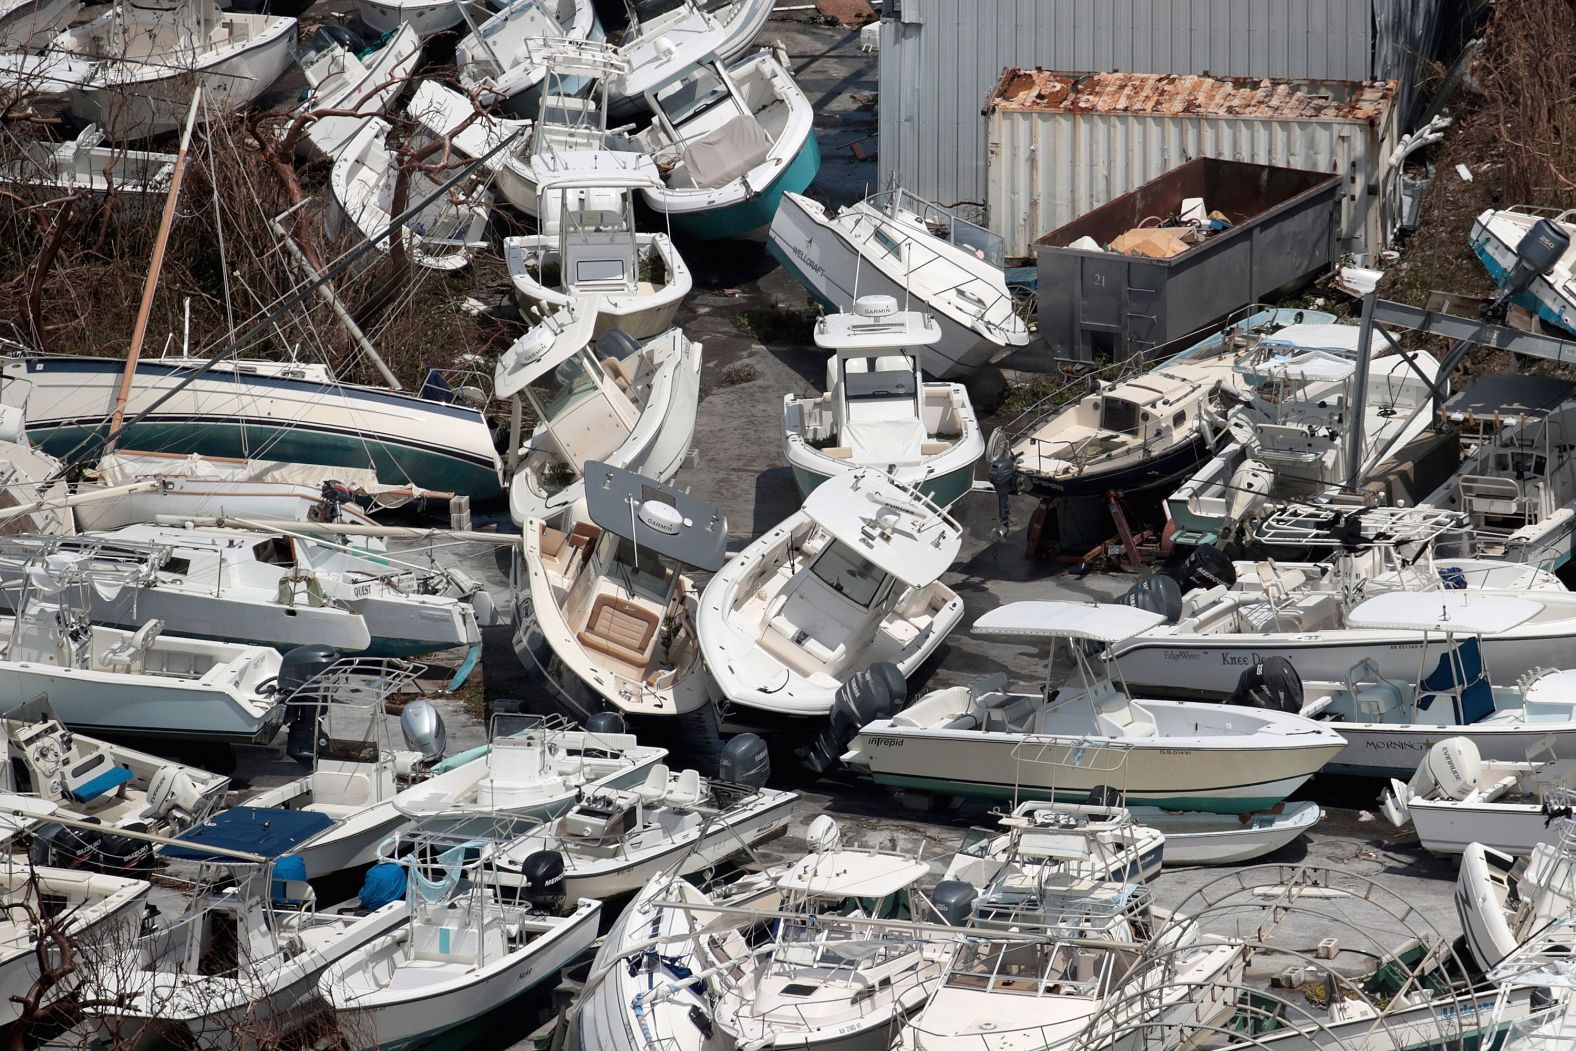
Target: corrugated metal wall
[{"x": 939, "y": 58}]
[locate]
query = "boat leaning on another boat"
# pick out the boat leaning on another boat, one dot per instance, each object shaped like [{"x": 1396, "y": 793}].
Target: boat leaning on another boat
[
  {"x": 339, "y": 79},
  {"x": 503, "y": 61},
  {"x": 1501, "y": 238},
  {"x": 664, "y": 38}
]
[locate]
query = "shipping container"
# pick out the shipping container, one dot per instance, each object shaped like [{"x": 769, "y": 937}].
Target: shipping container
[{"x": 1062, "y": 144}]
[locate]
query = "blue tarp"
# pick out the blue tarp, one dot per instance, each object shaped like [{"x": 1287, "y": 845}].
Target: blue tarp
[
  {"x": 268, "y": 831},
  {"x": 385, "y": 882}
]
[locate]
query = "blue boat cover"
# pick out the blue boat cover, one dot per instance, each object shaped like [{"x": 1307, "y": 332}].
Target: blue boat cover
[
  {"x": 267, "y": 831},
  {"x": 384, "y": 883}
]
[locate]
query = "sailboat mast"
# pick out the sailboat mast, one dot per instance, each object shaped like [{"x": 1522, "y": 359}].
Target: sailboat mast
[{"x": 167, "y": 220}]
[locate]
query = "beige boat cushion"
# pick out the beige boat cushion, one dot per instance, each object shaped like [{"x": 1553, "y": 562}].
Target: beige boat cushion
[
  {"x": 723, "y": 154},
  {"x": 619, "y": 629},
  {"x": 552, "y": 541}
]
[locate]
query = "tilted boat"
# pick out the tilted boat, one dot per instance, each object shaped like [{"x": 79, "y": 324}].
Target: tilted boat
[
  {"x": 1093, "y": 733},
  {"x": 879, "y": 412},
  {"x": 666, "y": 37},
  {"x": 611, "y": 593},
  {"x": 503, "y": 61},
  {"x": 1503, "y": 901},
  {"x": 1197, "y": 838},
  {"x": 354, "y": 85},
  {"x": 606, "y": 398},
  {"x": 851, "y": 580},
  {"x": 26, "y": 25},
  {"x": 895, "y": 244},
  {"x": 1096, "y": 841},
  {"x": 1501, "y": 237},
  {"x": 426, "y": 17},
  {"x": 85, "y": 163}
]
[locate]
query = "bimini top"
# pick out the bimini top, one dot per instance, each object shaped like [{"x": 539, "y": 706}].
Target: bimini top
[
  {"x": 1306, "y": 365},
  {"x": 594, "y": 170},
  {"x": 658, "y": 518},
  {"x": 551, "y": 342},
  {"x": 266, "y": 831},
  {"x": 1461, "y": 612},
  {"x": 1105, "y": 622},
  {"x": 851, "y": 874},
  {"x": 1308, "y": 335},
  {"x": 876, "y": 323},
  {"x": 888, "y": 524}
]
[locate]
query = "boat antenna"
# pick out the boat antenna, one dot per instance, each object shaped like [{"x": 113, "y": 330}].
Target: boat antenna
[{"x": 859, "y": 257}]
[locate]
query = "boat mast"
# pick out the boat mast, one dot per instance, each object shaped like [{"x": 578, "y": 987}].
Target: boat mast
[{"x": 167, "y": 220}]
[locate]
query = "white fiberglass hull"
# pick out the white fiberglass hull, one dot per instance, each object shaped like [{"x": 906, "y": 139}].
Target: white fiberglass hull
[
  {"x": 645, "y": 313},
  {"x": 1448, "y": 827},
  {"x": 1396, "y": 750},
  {"x": 426, "y": 17},
  {"x": 380, "y": 79},
  {"x": 1482, "y": 892},
  {"x": 1229, "y": 839}
]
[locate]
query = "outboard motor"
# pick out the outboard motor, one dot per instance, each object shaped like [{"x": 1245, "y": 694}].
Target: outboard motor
[
  {"x": 1002, "y": 471},
  {"x": 542, "y": 882},
  {"x": 423, "y": 729},
  {"x": 745, "y": 760},
  {"x": 123, "y": 855},
  {"x": 1159, "y": 594},
  {"x": 1272, "y": 683},
  {"x": 91, "y": 850},
  {"x": 606, "y": 723},
  {"x": 1206, "y": 567},
  {"x": 877, "y": 692},
  {"x": 298, "y": 667},
  {"x": 954, "y": 902},
  {"x": 171, "y": 791},
  {"x": 334, "y": 495},
  {"x": 1103, "y": 795},
  {"x": 1540, "y": 248}
]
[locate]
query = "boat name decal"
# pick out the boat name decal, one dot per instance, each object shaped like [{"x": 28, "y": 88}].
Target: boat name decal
[
  {"x": 1181, "y": 655},
  {"x": 887, "y": 742}
]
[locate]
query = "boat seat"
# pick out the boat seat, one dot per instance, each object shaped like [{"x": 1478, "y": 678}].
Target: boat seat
[
  {"x": 724, "y": 154},
  {"x": 620, "y": 629},
  {"x": 621, "y": 376},
  {"x": 132, "y": 655},
  {"x": 552, "y": 541},
  {"x": 1125, "y": 719},
  {"x": 90, "y": 778},
  {"x": 655, "y": 786},
  {"x": 583, "y": 538},
  {"x": 686, "y": 790}
]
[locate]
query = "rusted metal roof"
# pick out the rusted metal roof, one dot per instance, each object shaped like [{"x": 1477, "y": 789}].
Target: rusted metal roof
[{"x": 1185, "y": 94}]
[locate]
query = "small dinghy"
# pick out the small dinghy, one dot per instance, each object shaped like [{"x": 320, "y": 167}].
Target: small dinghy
[
  {"x": 356, "y": 86},
  {"x": 1196, "y": 838},
  {"x": 879, "y": 412},
  {"x": 895, "y": 244},
  {"x": 608, "y": 398},
  {"x": 1092, "y": 733},
  {"x": 849, "y": 584},
  {"x": 597, "y": 260},
  {"x": 503, "y": 61},
  {"x": 1457, "y": 797},
  {"x": 1528, "y": 253},
  {"x": 1503, "y": 901},
  {"x": 611, "y": 594},
  {"x": 463, "y": 952},
  {"x": 613, "y": 840},
  {"x": 1092, "y": 841},
  {"x": 666, "y": 37},
  {"x": 730, "y": 141}
]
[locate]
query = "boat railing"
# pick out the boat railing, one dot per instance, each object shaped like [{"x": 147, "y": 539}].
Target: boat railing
[
  {"x": 943, "y": 223},
  {"x": 1543, "y": 211},
  {"x": 1069, "y": 752},
  {"x": 368, "y": 683}
]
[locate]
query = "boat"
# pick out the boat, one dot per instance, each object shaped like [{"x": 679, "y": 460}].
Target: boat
[
  {"x": 463, "y": 952},
  {"x": 85, "y": 163},
  {"x": 1196, "y": 838},
  {"x": 895, "y": 244},
  {"x": 664, "y": 38},
  {"x": 33, "y": 485},
  {"x": 851, "y": 580},
  {"x": 28, "y": 25},
  {"x": 297, "y": 411},
  {"x": 1456, "y": 797},
  {"x": 426, "y": 17},
  {"x": 1537, "y": 991},
  {"x": 613, "y": 840},
  {"x": 1500, "y": 237},
  {"x": 879, "y": 412},
  {"x": 612, "y": 595},
  {"x": 502, "y": 62},
  {"x": 365, "y": 178},
  {"x": 608, "y": 398},
  {"x": 1503, "y": 901},
  {"x": 241, "y": 962},
  {"x": 1092, "y": 733},
  {"x": 596, "y": 260},
  {"x": 354, "y": 85},
  {"x": 1096, "y": 841},
  {"x": 132, "y": 69},
  {"x": 730, "y": 141},
  {"x": 532, "y": 770}
]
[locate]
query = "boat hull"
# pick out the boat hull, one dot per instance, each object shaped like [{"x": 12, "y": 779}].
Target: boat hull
[
  {"x": 752, "y": 215},
  {"x": 1151, "y": 472},
  {"x": 1482, "y": 890},
  {"x": 1555, "y": 305},
  {"x": 426, "y": 18},
  {"x": 1391, "y": 750},
  {"x": 1444, "y": 827},
  {"x": 1233, "y": 842}
]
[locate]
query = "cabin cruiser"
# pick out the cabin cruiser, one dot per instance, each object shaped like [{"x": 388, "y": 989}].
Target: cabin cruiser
[
  {"x": 898, "y": 245},
  {"x": 879, "y": 412},
  {"x": 853, "y": 579},
  {"x": 502, "y": 61},
  {"x": 1092, "y": 733},
  {"x": 611, "y": 592},
  {"x": 1528, "y": 252},
  {"x": 608, "y": 398},
  {"x": 341, "y": 80}
]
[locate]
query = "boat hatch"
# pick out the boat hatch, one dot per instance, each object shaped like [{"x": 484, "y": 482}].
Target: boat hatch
[
  {"x": 656, "y": 518},
  {"x": 1104, "y": 622},
  {"x": 887, "y": 524},
  {"x": 851, "y": 331},
  {"x": 1459, "y": 612}
]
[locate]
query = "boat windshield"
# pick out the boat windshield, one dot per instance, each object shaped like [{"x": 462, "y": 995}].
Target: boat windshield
[
  {"x": 565, "y": 387},
  {"x": 1118, "y": 415},
  {"x": 1031, "y": 969},
  {"x": 643, "y": 570},
  {"x": 700, "y": 90},
  {"x": 848, "y": 574},
  {"x": 873, "y": 379}
]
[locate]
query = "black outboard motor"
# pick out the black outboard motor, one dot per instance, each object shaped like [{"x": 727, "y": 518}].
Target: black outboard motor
[
  {"x": 542, "y": 882},
  {"x": 954, "y": 902},
  {"x": 1206, "y": 567},
  {"x": 1272, "y": 683},
  {"x": 1539, "y": 250},
  {"x": 606, "y": 723},
  {"x": 1002, "y": 471},
  {"x": 298, "y": 667},
  {"x": 745, "y": 760},
  {"x": 1159, "y": 594},
  {"x": 878, "y": 692},
  {"x": 122, "y": 855},
  {"x": 90, "y": 850},
  {"x": 1103, "y": 795}
]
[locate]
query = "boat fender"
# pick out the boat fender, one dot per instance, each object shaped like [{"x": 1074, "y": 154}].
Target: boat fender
[{"x": 1273, "y": 684}]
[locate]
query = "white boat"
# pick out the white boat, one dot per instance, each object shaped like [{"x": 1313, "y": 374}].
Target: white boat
[
  {"x": 878, "y": 411},
  {"x": 1503, "y": 901},
  {"x": 597, "y": 260},
  {"x": 1539, "y": 972},
  {"x": 33, "y": 484},
  {"x": 607, "y": 398},
  {"x": 1094, "y": 841},
  {"x": 531, "y": 771},
  {"x": 132, "y": 69},
  {"x": 851, "y": 580},
  {"x": 442, "y": 236},
  {"x": 730, "y": 141},
  {"x": 464, "y": 951},
  {"x": 1457, "y": 797},
  {"x": 664, "y": 38},
  {"x": 27, "y": 25},
  {"x": 1092, "y": 733},
  {"x": 298, "y": 412},
  {"x": 1196, "y": 838},
  {"x": 503, "y": 61},
  {"x": 240, "y": 964},
  {"x": 85, "y": 163},
  {"x": 426, "y": 17},
  {"x": 895, "y": 244},
  {"x": 1498, "y": 234},
  {"x": 611, "y": 592},
  {"x": 613, "y": 840},
  {"x": 352, "y": 86}
]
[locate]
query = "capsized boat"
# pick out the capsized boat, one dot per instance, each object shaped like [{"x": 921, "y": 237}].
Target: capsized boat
[
  {"x": 851, "y": 580},
  {"x": 1092, "y": 733},
  {"x": 1528, "y": 252},
  {"x": 611, "y": 592},
  {"x": 464, "y": 951},
  {"x": 503, "y": 61},
  {"x": 664, "y": 38},
  {"x": 1504, "y": 901},
  {"x": 878, "y": 411},
  {"x": 895, "y": 244},
  {"x": 355, "y": 86},
  {"x": 730, "y": 141},
  {"x": 607, "y": 398}
]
